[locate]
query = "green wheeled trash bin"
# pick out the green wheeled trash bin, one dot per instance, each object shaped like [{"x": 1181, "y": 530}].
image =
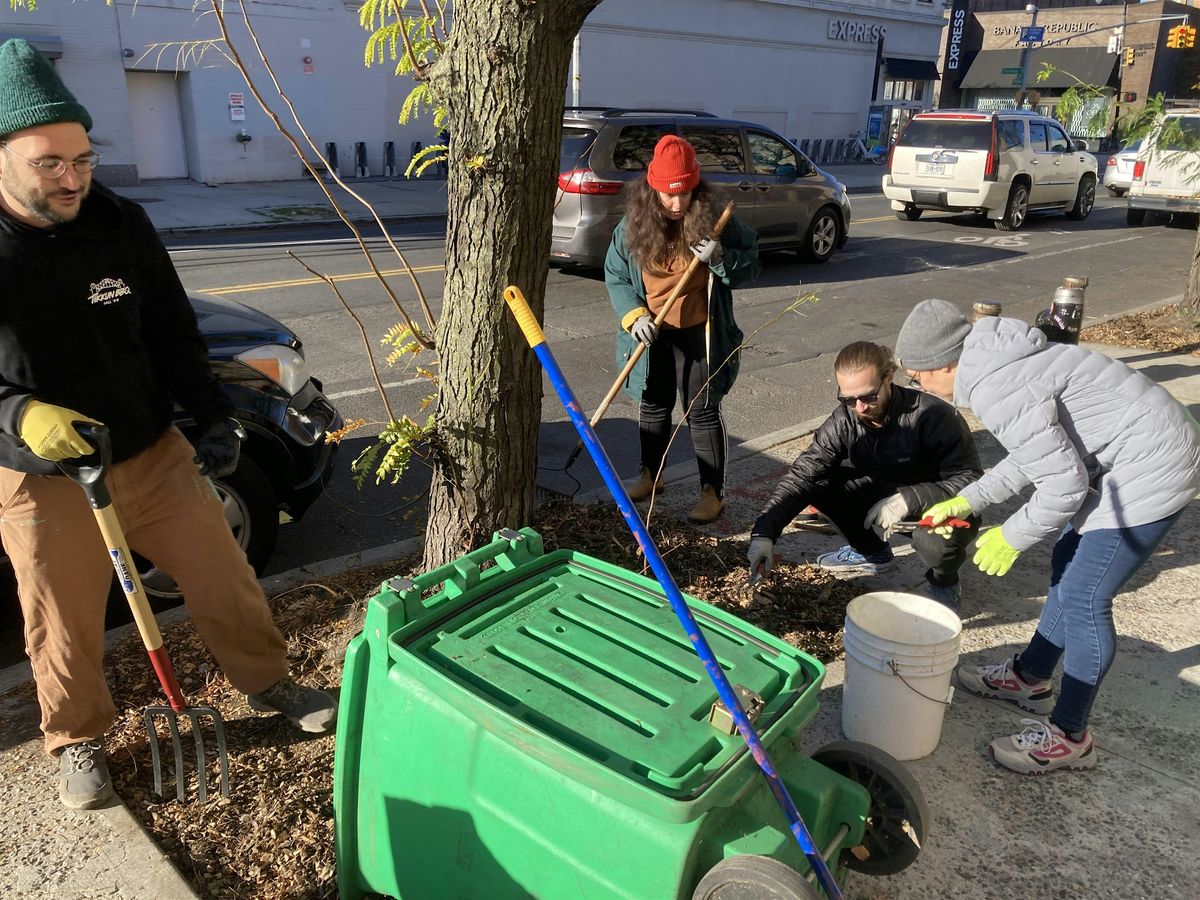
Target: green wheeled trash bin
[{"x": 520, "y": 723}]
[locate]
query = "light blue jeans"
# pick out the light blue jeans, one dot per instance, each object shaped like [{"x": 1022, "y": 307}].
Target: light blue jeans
[{"x": 1086, "y": 572}]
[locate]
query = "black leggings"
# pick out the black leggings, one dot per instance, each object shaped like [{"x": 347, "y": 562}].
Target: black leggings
[{"x": 677, "y": 362}]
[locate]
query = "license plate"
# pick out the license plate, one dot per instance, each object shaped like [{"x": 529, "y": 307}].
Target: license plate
[{"x": 931, "y": 168}]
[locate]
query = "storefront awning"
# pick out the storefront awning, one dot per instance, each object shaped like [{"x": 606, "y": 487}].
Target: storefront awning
[
  {"x": 901, "y": 69},
  {"x": 1091, "y": 65},
  {"x": 50, "y": 45}
]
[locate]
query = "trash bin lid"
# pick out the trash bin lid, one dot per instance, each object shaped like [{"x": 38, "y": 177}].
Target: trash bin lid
[{"x": 587, "y": 655}]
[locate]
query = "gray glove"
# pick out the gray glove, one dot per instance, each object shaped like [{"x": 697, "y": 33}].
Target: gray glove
[
  {"x": 708, "y": 251},
  {"x": 761, "y": 554},
  {"x": 218, "y": 448},
  {"x": 886, "y": 515},
  {"x": 644, "y": 330}
]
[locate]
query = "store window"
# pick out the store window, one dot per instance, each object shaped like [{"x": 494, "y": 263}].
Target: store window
[{"x": 903, "y": 90}]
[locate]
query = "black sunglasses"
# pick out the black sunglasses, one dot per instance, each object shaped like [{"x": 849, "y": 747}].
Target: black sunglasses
[{"x": 865, "y": 399}]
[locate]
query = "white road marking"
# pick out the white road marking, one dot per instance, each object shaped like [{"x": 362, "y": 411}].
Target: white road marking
[{"x": 357, "y": 392}]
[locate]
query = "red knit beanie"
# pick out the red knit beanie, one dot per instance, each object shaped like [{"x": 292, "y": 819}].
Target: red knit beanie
[{"x": 673, "y": 169}]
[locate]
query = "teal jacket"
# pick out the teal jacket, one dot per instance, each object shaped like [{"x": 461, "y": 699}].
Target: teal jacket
[{"x": 623, "y": 278}]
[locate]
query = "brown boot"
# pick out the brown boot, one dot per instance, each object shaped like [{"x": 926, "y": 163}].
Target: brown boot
[
  {"x": 707, "y": 508},
  {"x": 645, "y": 486}
]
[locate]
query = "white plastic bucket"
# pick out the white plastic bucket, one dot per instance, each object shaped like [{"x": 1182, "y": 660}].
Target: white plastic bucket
[{"x": 900, "y": 652}]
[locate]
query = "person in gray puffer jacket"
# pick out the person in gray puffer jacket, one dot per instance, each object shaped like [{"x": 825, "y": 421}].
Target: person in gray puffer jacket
[{"x": 1113, "y": 460}]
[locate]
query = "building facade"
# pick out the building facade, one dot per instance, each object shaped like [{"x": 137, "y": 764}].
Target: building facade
[
  {"x": 806, "y": 68},
  {"x": 1119, "y": 48},
  {"x": 167, "y": 105}
]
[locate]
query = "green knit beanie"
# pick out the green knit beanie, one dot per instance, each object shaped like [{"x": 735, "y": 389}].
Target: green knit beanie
[{"x": 31, "y": 93}]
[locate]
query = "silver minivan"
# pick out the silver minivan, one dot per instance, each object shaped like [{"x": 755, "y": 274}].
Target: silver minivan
[{"x": 777, "y": 190}]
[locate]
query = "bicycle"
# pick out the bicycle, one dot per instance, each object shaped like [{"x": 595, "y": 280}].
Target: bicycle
[{"x": 858, "y": 151}]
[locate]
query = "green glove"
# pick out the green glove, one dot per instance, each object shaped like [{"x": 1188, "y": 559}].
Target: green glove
[
  {"x": 993, "y": 554},
  {"x": 954, "y": 508},
  {"x": 49, "y": 431}
]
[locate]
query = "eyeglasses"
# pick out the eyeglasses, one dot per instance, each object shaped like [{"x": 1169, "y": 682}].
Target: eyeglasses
[
  {"x": 914, "y": 379},
  {"x": 53, "y": 168},
  {"x": 865, "y": 399}
]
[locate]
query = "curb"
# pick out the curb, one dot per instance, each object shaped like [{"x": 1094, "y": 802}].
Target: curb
[
  {"x": 156, "y": 875},
  {"x": 310, "y": 224}
]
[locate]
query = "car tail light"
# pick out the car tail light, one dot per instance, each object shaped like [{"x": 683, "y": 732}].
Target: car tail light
[
  {"x": 585, "y": 181},
  {"x": 1112, "y": 161},
  {"x": 991, "y": 167},
  {"x": 1139, "y": 170}
]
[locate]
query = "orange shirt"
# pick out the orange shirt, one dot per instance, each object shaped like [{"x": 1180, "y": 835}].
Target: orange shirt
[{"x": 692, "y": 306}]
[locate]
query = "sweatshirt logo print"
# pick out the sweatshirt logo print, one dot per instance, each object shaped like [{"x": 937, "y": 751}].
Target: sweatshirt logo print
[{"x": 107, "y": 291}]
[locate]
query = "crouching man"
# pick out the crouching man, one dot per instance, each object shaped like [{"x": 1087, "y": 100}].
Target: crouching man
[{"x": 884, "y": 455}]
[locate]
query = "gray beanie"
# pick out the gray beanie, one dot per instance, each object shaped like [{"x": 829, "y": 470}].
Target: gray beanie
[
  {"x": 932, "y": 336},
  {"x": 31, "y": 93}
]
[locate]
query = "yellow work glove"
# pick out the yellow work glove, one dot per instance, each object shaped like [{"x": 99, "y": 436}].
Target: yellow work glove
[
  {"x": 954, "y": 508},
  {"x": 993, "y": 554},
  {"x": 49, "y": 431}
]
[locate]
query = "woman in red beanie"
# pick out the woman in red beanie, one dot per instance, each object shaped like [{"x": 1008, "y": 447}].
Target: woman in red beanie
[{"x": 669, "y": 219}]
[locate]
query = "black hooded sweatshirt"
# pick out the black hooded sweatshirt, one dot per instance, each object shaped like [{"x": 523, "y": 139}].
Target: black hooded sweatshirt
[{"x": 93, "y": 317}]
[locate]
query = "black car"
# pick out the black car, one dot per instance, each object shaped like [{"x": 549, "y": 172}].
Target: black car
[{"x": 285, "y": 461}]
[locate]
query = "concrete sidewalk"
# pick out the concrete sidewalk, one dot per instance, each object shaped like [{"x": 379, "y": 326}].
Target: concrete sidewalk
[
  {"x": 1118, "y": 831},
  {"x": 182, "y": 207}
]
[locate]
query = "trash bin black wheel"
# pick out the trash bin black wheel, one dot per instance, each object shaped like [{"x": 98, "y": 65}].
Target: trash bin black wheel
[
  {"x": 749, "y": 877},
  {"x": 897, "y": 819}
]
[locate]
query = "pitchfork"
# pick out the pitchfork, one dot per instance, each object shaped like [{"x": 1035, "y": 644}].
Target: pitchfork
[{"x": 89, "y": 474}]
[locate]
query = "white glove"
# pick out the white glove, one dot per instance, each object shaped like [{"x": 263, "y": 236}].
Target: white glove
[
  {"x": 761, "y": 554},
  {"x": 708, "y": 251},
  {"x": 644, "y": 330},
  {"x": 886, "y": 515}
]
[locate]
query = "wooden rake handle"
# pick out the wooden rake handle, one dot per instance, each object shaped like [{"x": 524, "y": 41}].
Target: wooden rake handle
[{"x": 640, "y": 348}]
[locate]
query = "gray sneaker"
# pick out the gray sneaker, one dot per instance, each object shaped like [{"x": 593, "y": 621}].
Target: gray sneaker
[
  {"x": 309, "y": 709},
  {"x": 83, "y": 781},
  {"x": 949, "y": 596}
]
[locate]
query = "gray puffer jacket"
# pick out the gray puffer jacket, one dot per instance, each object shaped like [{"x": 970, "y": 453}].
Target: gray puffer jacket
[{"x": 1102, "y": 445}]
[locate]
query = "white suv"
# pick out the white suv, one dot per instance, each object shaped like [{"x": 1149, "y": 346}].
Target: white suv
[
  {"x": 1166, "y": 175},
  {"x": 1003, "y": 164}
]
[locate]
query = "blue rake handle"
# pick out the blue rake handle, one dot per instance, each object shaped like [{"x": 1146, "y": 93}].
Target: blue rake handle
[{"x": 537, "y": 341}]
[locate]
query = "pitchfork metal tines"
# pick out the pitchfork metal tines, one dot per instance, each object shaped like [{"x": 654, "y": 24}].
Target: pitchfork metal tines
[{"x": 89, "y": 474}]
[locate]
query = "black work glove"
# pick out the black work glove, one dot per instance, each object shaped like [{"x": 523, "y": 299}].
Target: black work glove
[{"x": 218, "y": 448}]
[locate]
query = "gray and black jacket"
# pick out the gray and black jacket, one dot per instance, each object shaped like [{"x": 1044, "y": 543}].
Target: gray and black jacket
[{"x": 924, "y": 448}]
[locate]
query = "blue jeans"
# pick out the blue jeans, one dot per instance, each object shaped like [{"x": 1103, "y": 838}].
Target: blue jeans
[{"x": 1086, "y": 572}]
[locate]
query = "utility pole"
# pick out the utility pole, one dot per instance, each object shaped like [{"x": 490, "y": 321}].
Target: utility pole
[
  {"x": 1033, "y": 11},
  {"x": 1115, "y": 139}
]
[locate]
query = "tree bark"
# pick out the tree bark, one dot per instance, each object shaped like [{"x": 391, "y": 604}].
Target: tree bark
[
  {"x": 1190, "y": 306},
  {"x": 503, "y": 79}
]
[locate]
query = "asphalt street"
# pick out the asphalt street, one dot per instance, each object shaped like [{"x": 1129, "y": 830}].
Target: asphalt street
[{"x": 864, "y": 292}]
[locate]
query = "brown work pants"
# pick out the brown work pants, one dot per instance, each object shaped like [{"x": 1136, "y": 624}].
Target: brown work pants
[{"x": 172, "y": 516}]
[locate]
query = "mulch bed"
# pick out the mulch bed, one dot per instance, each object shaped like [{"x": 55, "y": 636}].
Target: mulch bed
[
  {"x": 274, "y": 837},
  {"x": 1164, "y": 329}
]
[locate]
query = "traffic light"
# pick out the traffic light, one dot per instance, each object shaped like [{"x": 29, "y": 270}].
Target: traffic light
[
  {"x": 1187, "y": 36},
  {"x": 1129, "y": 56},
  {"x": 1173, "y": 36}
]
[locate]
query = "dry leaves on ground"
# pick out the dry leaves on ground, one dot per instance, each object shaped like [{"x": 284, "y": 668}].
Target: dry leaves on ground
[
  {"x": 1164, "y": 329},
  {"x": 274, "y": 837}
]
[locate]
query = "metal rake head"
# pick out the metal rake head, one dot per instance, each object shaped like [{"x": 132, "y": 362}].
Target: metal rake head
[{"x": 194, "y": 713}]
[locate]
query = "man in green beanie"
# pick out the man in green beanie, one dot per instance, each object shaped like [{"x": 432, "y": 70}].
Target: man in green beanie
[{"x": 95, "y": 327}]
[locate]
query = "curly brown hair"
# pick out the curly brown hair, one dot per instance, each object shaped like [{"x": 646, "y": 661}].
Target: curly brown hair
[{"x": 652, "y": 238}]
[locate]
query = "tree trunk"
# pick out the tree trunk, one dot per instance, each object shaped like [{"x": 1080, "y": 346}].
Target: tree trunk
[
  {"x": 1190, "y": 305},
  {"x": 503, "y": 79}
]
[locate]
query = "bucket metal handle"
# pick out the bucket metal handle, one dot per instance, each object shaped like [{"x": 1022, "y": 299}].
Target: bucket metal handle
[{"x": 896, "y": 671}]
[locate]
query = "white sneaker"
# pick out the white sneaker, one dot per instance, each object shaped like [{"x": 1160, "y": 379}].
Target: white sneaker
[
  {"x": 848, "y": 562},
  {"x": 1002, "y": 682}
]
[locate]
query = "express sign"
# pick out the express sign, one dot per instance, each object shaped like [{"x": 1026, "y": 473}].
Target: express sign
[
  {"x": 851, "y": 31},
  {"x": 954, "y": 36}
]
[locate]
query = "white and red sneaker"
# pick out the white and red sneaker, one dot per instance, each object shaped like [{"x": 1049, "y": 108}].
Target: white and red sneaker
[
  {"x": 1042, "y": 747},
  {"x": 1002, "y": 682}
]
